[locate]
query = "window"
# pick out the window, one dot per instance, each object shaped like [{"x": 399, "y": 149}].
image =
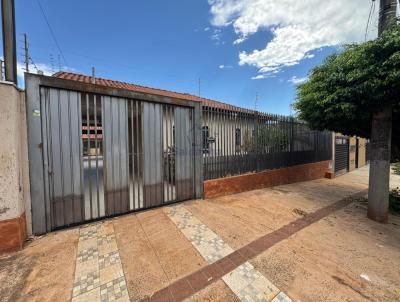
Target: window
[
  {"x": 206, "y": 143},
  {"x": 238, "y": 137}
]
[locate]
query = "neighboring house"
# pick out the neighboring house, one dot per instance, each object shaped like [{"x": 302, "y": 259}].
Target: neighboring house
[{"x": 350, "y": 153}]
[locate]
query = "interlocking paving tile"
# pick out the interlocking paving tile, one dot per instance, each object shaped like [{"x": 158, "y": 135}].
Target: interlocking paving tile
[
  {"x": 86, "y": 283},
  {"x": 98, "y": 271},
  {"x": 87, "y": 254},
  {"x": 88, "y": 234},
  {"x": 105, "y": 239},
  {"x": 281, "y": 297},
  {"x": 113, "y": 290},
  {"x": 109, "y": 259},
  {"x": 245, "y": 281}
]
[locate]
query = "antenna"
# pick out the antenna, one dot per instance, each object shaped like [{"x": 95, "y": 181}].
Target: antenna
[
  {"x": 256, "y": 102},
  {"x": 199, "y": 87},
  {"x": 93, "y": 75}
]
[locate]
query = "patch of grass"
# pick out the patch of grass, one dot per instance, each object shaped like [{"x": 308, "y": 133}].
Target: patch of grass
[
  {"x": 394, "y": 201},
  {"x": 396, "y": 168}
]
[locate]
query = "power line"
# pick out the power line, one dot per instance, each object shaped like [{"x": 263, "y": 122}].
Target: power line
[
  {"x": 51, "y": 31},
  {"x": 372, "y": 8},
  {"x": 34, "y": 65}
]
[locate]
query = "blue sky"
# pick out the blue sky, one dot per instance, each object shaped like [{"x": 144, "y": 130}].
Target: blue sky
[{"x": 171, "y": 44}]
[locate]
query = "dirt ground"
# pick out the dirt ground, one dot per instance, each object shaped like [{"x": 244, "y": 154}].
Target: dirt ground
[
  {"x": 42, "y": 271},
  {"x": 343, "y": 257}
]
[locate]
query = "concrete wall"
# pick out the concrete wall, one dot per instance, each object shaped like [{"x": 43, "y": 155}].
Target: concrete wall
[
  {"x": 252, "y": 181},
  {"x": 352, "y": 153},
  {"x": 361, "y": 152},
  {"x": 14, "y": 176}
]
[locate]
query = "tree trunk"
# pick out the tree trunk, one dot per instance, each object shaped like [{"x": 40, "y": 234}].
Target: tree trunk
[
  {"x": 381, "y": 138},
  {"x": 379, "y": 171}
]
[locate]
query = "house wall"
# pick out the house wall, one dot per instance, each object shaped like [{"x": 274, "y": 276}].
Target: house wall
[
  {"x": 352, "y": 153},
  {"x": 14, "y": 179},
  {"x": 223, "y": 131},
  {"x": 361, "y": 152}
]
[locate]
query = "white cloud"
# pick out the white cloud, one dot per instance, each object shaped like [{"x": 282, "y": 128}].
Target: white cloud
[
  {"x": 45, "y": 68},
  {"x": 216, "y": 35},
  {"x": 259, "y": 77},
  {"x": 224, "y": 66},
  {"x": 297, "y": 27},
  {"x": 295, "y": 80},
  {"x": 263, "y": 76},
  {"x": 206, "y": 29}
]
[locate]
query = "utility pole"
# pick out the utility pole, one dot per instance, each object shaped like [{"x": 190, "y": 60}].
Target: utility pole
[
  {"x": 52, "y": 63},
  {"x": 26, "y": 53},
  {"x": 9, "y": 40},
  {"x": 381, "y": 135}
]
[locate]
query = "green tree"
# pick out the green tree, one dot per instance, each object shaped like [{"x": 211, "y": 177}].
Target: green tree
[{"x": 350, "y": 87}]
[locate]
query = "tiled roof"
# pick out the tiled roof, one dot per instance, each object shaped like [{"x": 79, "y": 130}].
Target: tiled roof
[{"x": 149, "y": 90}]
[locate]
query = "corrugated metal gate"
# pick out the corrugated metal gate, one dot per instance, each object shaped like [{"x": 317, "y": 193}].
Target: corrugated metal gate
[
  {"x": 341, "y": 154},
  {"x": 105, "y": 155}
]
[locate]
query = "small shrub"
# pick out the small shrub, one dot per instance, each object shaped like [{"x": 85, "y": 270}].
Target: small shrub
[
  {"x": 394, "y": 201},
  {"x": 396, "y": 168}
]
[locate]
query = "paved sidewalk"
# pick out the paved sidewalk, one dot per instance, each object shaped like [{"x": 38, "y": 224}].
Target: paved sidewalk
[{"x": 298, "y": 242}]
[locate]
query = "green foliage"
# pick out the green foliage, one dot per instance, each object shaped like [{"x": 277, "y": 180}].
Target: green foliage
[
  {"x": 394, "y": 201},
  {"x": 342, "y": 94},
  {"x": 396, "y": 168},
  {"x": 272, "y": 137}
]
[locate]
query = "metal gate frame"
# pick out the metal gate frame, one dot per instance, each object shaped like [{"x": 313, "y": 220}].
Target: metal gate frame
[
  {"x": 341, "y": 163},
  {"x": 39, "y": 195}
]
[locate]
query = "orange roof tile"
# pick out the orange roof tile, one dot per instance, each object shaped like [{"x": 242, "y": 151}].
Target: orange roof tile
[{"x": 149, "y": 90}]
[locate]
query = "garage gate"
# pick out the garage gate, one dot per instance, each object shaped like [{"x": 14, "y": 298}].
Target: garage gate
[
  {"x": 94, "y": 155},
  {"x": 341, "y": 155}
]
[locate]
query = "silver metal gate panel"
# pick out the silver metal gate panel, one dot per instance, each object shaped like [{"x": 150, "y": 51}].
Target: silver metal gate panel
[
  {"x": 169, "y": 153},
  {"x": 63, "y": 175},
  {"x": 115, "y": 124},
  {"x": 152, "y": 155},
  {"x": 92, "y": 153},
  {"x": 96, "y": 152},
  {"x": 183, "y": 153}
]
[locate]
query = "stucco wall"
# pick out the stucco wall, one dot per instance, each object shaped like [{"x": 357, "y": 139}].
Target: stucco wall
[
  {"x": 361, "y": 152},
  {"x": 14, "y": 176},
  {"x": 352, "y": 153}
]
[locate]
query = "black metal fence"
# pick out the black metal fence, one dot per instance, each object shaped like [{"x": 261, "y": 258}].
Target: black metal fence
[{"x": 238, "y": 141}]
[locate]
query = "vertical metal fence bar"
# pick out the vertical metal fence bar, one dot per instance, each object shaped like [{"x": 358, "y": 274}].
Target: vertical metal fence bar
[
  {"x": 96, "y": 146},
  {"x": 132, "y": 178}
]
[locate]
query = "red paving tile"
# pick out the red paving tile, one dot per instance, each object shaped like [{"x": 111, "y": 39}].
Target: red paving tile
[
  {"x": 197, "y": 280},
  {"x": 181, "y": 289}
]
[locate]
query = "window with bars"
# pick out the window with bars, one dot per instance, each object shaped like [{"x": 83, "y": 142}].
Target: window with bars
[{"x": 238, "y": 137}]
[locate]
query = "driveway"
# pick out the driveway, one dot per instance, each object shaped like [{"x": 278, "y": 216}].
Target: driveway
[{"x": 300, "y": 242}]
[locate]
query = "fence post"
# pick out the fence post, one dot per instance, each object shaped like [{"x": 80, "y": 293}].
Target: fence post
[{"x": 198, "y": 151}]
